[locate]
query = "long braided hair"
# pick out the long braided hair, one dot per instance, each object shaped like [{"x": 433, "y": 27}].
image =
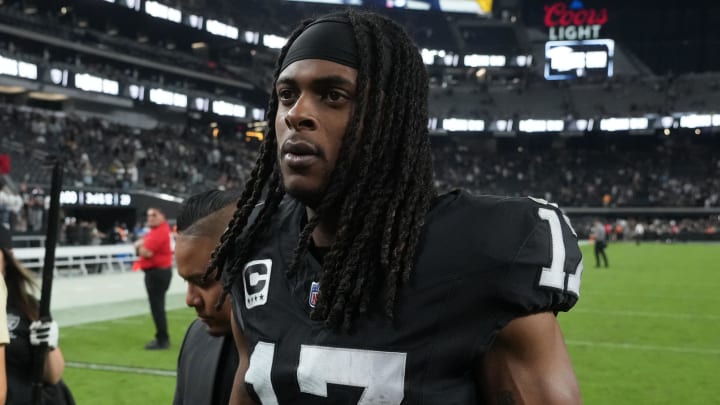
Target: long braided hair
[{"x": 381, "y": 187}]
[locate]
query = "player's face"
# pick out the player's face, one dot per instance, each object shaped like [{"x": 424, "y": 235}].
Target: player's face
[
  {"x": 315, "y": 103},
  {"x": 192, "y": 254}
]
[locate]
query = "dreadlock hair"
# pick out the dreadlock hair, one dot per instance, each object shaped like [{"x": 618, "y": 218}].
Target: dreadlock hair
[
  {"x": 381, "y": 186},
  {"x": 20, "y": 286}
]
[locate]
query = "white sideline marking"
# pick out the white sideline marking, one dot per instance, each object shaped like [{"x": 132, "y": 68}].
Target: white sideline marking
[
  {"x": 650, "y": 348},
  {"x": 649, "y": 314},
  {"x": 121, "y": 369},
  {"x": 658, "y": 297}
]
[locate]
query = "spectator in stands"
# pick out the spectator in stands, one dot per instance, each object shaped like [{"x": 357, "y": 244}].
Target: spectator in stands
[
  {"x": 10, "y": 203},
  {"x": 208, "y": 358},
  {"x": 155, "y": 259},
  {"x": 25, "y": 332},
  {"x": 600, "y": 236}
]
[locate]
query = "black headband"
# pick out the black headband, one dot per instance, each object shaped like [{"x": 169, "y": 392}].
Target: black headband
[{"x": 327, "y": 39}]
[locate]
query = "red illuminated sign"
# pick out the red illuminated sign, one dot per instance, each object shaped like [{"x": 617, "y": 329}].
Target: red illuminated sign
[
  {"x": 574, "y": 22},
  {"x": 559, "y": 14}
]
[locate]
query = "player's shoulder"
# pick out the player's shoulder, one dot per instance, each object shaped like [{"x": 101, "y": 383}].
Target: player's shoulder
[
  {"x": 196, "y": 328},
  {"x": 495, "y": 225}
]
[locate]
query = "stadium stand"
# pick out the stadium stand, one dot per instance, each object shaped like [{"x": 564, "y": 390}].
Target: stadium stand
[{"x": 124, "y": 143}]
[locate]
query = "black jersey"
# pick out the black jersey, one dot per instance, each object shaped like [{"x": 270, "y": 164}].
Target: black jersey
[
  {"x": 19, "y": 358},
  {"x": 483, "y": 262}
]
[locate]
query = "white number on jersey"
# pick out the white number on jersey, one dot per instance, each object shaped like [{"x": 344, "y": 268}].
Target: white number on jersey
[
  {"x": 554, "y": 276},
  {"x": 382, "y": 374}
]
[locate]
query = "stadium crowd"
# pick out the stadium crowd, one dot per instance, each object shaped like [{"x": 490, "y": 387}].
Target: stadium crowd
[{"x": 185, "y": 159}]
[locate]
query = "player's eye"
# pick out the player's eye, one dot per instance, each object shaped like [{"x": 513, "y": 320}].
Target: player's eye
[
  {"x": 335, "y": 96},
  {"x": 286, "y": 95}
]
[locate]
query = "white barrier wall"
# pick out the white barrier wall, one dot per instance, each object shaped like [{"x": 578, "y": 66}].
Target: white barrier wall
[{"x": 113, "y": 292}]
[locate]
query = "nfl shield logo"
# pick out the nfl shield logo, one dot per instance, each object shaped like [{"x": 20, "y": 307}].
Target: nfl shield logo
[{"x": 314, "y": 291}]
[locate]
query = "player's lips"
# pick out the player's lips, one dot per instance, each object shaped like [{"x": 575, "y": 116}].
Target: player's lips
[{"x": 299, "y": 154}]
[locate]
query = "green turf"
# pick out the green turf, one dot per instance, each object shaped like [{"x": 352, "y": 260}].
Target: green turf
[
  {"x": 645, "y": 331},
  {"x": 121, "y": 343},
  {"x": 111, "y": 388}
]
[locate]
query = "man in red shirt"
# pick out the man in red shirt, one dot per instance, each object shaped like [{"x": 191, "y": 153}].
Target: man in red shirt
[{"x": 155, "y": 259}]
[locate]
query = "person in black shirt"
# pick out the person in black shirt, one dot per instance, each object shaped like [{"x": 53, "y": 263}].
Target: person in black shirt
[
  {"x": 208, "y": 359},
  {"x": 25, "y": 332},
  {"x": 351, "y": 280}
]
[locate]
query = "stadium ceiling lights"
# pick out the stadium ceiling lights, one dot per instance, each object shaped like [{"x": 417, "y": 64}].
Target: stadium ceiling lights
[
  {"x": 464, "y": 125},
  {"x": 623, "y": 124},
  {"x": 17, "y": 68},
  {"x": 439, "y": 57},
  {"x": 162, "y": 11},
  {"x": 165, "y": 97},
  {"x": 532, "y": 125},
  {"x": 225, "y": 30},
  {"x": 229, "y": 109},
  {"x": 273, "y": 41},
  {"x": 699, "y": 120},
  {"x": 87, "y": 82},
  {"x": 474, "y": 60}
]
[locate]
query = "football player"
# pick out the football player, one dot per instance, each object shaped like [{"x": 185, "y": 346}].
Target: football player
[{"x": 352, "y": 281}]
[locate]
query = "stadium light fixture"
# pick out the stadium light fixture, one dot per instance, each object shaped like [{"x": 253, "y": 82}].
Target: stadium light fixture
[
  {"x": 87, "y": 82},
  {"x": 221, "y": 29},
  {"x": 12, "y": 89},
  {"x": 221, "y": 107},
  {"x": 159, "y": 10},
  {"x": 533, "y": 125},
  {"x": 273, "y": 41},
  {"x": 41, "y": 95},
  {"x": 18, "y": 68},
  {"x": 696, "y": 121},
  {"x": 258, "y": 114},
  {"x": 667, "y": 122},
  {"x": 463, "y": 125}
]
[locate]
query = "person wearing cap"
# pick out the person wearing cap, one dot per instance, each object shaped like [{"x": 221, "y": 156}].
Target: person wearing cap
[
  {"x": 25, "y": 331},
  {"x": 352, "y": 280}
]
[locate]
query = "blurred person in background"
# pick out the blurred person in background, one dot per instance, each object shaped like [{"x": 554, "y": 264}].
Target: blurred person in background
[
  {"x": 155, "y": 260},
  {"x": 25, "y": 332},
  {"x": 639, "y": 232},
  {"x": 208, "y": 358},
  {"x": 599, "y": 234}
]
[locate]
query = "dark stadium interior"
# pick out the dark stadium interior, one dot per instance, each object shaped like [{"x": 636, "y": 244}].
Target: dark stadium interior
[{"x": 666, "y": 67}]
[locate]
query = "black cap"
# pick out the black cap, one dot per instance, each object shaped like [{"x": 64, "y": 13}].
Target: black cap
[{"x": 5, "y": 238}]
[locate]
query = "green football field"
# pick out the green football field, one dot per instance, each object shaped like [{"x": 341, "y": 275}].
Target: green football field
[{"x": 645, "y": 331}]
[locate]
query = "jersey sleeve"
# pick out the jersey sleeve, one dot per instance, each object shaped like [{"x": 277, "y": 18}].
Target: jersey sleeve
[{"x": 543, "y": 274}]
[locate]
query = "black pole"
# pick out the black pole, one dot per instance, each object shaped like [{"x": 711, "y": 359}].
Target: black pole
[{"x": 53, "y": 222}]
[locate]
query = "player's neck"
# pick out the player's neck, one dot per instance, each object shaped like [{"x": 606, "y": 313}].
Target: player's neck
[{"x": 324, "y": 233}]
